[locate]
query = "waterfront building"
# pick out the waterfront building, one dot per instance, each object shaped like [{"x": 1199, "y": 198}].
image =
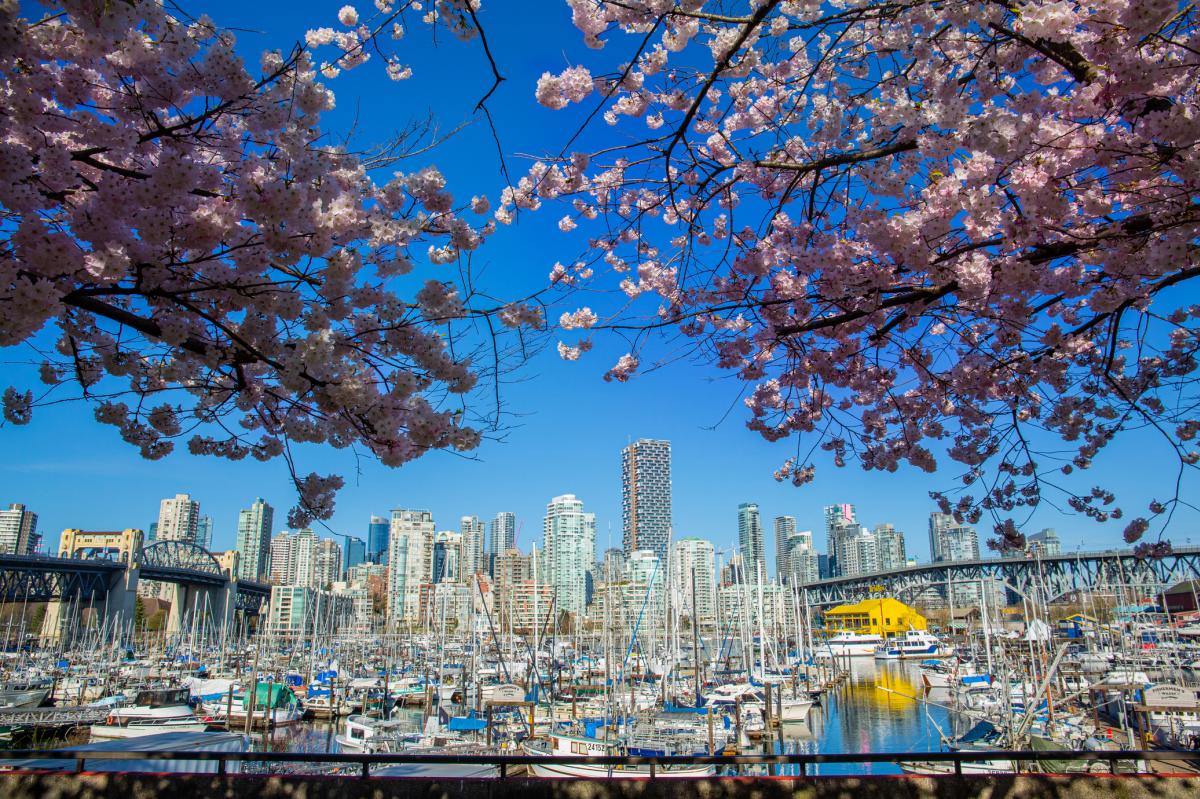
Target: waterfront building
[
  {"x": 878, "y": 616},
  {"x": 446, "y": 606},
  {"x": 511, "y": 569},
  {"x": 1045, "y": 543},
  {"x": 377, "y": 540},
  {"x": 18, "y": 530},
  {"x": 646, "y": 496},
  {"x": 472, "y": 531},
  {"x": 739, "y": 606},
  {"x": 362, "y": 607},
  {"x": 785, "y": 529},
  {"x": 889, "y": 543},
  {"x": 300, "y": 611},
  {"x": 354, "y": 552},
  {"x": 750, "y": 542},
  {"x": 840, "y": 523},
  {"x": 254, "y": 540},
  {"x": 694, "y": 573},
  {"x": 410, "y": 562},
  {"x": 569, "y": 544},
  {"x": 529, "y": 606},
  {"x": 327, "y": 563},
  {"x": 179, "y": 520}
]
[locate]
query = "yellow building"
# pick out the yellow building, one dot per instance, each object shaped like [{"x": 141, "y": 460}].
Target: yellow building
[{"x": 883, "y": 616}]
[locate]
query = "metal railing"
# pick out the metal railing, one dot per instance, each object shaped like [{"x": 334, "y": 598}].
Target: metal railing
[{"x": 1115, "y": 760}]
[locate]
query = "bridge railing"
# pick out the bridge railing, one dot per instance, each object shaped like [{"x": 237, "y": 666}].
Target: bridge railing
[{"x": 1110, "y": 761}]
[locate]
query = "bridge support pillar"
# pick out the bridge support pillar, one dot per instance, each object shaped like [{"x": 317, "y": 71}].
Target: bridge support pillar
[
  {"x": 212, "y": 606},
  {"x": 121, "y": 605}
]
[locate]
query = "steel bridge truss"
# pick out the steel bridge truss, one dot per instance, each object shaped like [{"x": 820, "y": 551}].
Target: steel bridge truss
[
  {"x": 1047, "y": 577},
  {"x": 29, "y": 578}
]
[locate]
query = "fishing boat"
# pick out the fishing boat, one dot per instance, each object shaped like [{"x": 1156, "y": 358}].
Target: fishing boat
[
  {"x": 913, "y": 644},
  {"x": 153, "y": 711},
  {"x": 571, "y": 745}
]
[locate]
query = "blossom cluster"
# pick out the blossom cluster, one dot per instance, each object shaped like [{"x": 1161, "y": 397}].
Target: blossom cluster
[
  {"x": 175, "y": 216},
  {"x": 923, "y": 233}
]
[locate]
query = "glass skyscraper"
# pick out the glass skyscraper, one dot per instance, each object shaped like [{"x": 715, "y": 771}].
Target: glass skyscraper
[{"x": 377, "y": 540}]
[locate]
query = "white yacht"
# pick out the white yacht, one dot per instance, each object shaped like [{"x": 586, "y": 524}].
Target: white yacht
[
  {"x": 153, "y": 711},
  {"x": 849, "y": 644},
  {"x": 913, "y": 644}
]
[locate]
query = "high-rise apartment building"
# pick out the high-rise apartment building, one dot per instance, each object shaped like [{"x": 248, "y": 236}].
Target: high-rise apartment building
[
  {"x": 750, "y": 542},
  {"x": 840, "y": 524},
  {"x": 179, "y": 520},
  {"x": 569, "y": 544},
  {"x": 646, "y": 496},
  {"x": 889, "y": 543},
  {"x": 472, "y": 530},
  {"x": 803, "y": 561},
  {"x": 304, "y": 553},
  {"x": 204, "y": 532},
  {"x": 282, "y": 562},
  {"x": 1044, "y": 543},
  {"x": 785, "y": 529},
  {"x": 447, "y": 557},
  {"x": 254, "y": 540},
  {"x": 377, "y": 540},
  {"x": 613, "y": 565},
  {"x": 950, "y": 540},
  {"x": 293, "y": 558},
  {"x": 694, "y": 575},
  {"x": 410, "y": 562},
  {"x": 502, "y": 538},
  {"x": 18, "y": 530},
  {"x": 327, "y": 563}
]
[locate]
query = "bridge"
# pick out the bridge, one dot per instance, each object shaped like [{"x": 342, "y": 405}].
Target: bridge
[
  {"x": 1045, "y": 576},
  {"x": 103, "y": 570}
]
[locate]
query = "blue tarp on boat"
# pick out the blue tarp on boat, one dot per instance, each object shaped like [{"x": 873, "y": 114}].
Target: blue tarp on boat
[{"x": 466, "y": 724}]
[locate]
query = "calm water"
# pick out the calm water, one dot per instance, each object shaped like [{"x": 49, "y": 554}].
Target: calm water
[{"x": 877, "y": 709}]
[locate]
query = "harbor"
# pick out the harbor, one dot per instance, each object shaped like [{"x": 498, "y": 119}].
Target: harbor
[{"x": 1105, "y": 672}]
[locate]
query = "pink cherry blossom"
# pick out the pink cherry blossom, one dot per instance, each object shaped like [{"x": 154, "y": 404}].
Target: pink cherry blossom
[
  {"x": 208, "y": 268},
  {"x": 925, "y": 234}
]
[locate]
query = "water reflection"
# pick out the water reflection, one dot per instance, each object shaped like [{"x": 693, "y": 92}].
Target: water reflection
[{"x": 878, "y": 708}]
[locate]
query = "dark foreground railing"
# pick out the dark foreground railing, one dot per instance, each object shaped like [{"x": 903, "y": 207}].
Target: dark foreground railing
[{"x": 1117, "y": 762}]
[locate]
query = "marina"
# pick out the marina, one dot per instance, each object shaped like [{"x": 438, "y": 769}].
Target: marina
[{"x": 761, "y": 684}]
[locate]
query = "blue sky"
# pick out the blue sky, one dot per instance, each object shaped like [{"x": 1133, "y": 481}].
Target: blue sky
[{"x": 566, "y": 426}]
